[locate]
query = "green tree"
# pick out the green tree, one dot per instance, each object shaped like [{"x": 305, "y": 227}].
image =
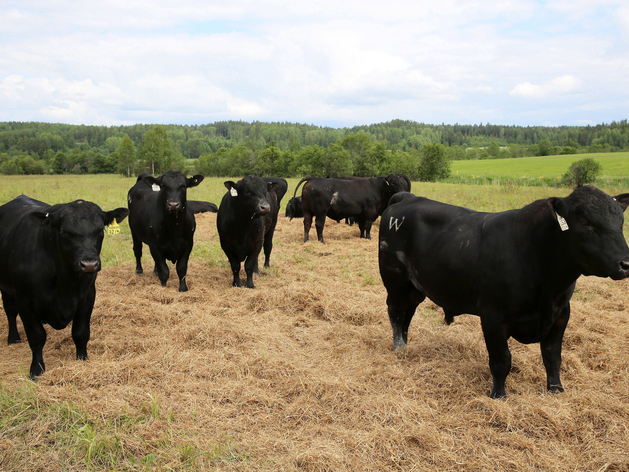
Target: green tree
[
  {"x": 493, "y": 150},
  {"x": 434, "y": 164},
  {"x": 544, "y": 148},
  {"x": 582, "y": 172},
  {"x": 156, "y": 153},
  {"x": 126, "y": 156}
]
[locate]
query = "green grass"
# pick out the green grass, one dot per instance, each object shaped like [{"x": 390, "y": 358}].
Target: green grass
[
  {"x": 614, "y": 165},
  {"x": 65, "y": 435}
]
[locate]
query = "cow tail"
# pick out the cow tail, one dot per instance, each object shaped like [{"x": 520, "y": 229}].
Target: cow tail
[{"x": 305, "y": 179}]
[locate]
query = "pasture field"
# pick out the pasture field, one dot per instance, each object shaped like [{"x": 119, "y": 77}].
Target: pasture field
[
  {"x": 298, "y": 374},
  {"x": 548, "y": 168}
]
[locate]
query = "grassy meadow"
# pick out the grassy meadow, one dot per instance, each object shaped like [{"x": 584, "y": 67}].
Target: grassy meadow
[
  {"x": 536, "y": 171},
  {"x": 298, "y": 374}
]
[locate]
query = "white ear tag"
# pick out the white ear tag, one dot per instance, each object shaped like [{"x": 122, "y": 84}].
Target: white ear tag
[
  {"x": 233, "y": 192},
  {"x": 155, "y": 188},
  {"x": 562, "y": 222}
]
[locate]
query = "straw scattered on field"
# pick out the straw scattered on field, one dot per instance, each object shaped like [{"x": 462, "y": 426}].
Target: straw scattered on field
[{"x": 299, "y": 374}]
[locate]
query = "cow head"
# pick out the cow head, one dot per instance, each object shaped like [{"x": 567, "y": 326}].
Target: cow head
[
  {"x": 250, "y": 195},
  {"x": 393, "y": 183},
  {"x": 591, "y": 222},
  {"x": 172, "y": 188},
  {"x": 78, "y": 227},
  {"x": 293, "y": 208}
]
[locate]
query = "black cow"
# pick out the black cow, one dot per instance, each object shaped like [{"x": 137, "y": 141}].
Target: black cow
[
  {"x": 361, "y": 198},
  {"x": 49, "y": 259},
  {"x": 246, "y": 220},
  {"x": 160, "y": 217},
  {"x": 515, "y": 269},
  {"x": 198, "y": 206},
  {"x": 293, "y": 208}
]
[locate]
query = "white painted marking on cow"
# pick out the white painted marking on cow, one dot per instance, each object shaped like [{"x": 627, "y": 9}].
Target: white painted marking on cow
[
  {"x": 233, "y": 192},
  {"x": 395, "y": 223},
  {"x": 155, "y": 188},
  {"x": 335, "y": 197},
  {"x": 562, "y": 222}
]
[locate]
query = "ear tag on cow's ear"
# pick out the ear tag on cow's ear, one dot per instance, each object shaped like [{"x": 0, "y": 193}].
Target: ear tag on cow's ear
[
  {"x": 113, "y": 228},
  {"x": 233, "y": 192},
  {"x": 562, "y": 222},
  {"x": 155, "y": 188}
]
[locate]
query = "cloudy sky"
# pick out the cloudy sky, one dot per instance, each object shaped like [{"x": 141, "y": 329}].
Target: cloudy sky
[{"x": 326, "y": 62}]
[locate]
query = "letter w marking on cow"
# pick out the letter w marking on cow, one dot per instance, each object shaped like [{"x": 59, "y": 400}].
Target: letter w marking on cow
[{"x": 395, "y": 223}]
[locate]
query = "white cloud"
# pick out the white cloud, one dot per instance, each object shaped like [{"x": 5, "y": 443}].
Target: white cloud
[{"x": 557, "y": 86}]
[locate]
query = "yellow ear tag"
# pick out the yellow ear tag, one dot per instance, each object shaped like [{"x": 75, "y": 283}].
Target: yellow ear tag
[{"x": 113, "y": 228}]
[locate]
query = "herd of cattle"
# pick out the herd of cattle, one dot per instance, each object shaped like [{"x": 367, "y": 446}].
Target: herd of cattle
[{"x": 516, "y": 269}]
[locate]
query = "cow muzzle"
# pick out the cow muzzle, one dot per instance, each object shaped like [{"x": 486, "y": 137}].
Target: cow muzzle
[
  {"x": 88, "y": 267},
  {"x": 173, "y": 207},
  {"x": 263, "y": 209},
  {"x": 623, "y": 270}
]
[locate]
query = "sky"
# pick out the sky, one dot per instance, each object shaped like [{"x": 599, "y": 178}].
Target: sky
[{"x": 337, "y": 63}]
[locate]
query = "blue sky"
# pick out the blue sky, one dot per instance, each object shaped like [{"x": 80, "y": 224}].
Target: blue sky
[{"x": 326, "y": 62}]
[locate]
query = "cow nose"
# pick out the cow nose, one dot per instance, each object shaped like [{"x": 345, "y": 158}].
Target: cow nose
[
  {"x": 624, "y": 266},
  {"x": 264, "y": 208},
  {"x": 89, "y": 266},
  {"x": 173, "y": 206}
]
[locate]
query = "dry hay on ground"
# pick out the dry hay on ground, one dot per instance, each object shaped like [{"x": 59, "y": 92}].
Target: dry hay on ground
[{"x": 298, "y": 374}]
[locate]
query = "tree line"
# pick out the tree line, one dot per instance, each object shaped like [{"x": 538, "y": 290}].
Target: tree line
[{"x": 286, "y": 149}]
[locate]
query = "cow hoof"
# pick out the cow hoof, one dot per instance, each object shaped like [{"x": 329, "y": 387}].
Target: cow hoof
[
  {"x": 14, "y": 341},
  {"x": 139, "y": 271},
  {"x": 555, "y": 389}
]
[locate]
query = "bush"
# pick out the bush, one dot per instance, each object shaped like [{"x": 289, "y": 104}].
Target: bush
[
  {"x": 582, "y": 172},
  {"x": 434, "y": 164}
]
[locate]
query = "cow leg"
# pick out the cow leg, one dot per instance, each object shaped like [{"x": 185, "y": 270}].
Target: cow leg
[
  {"x": 368, "y": 229},
  {"x": 319, "y": 224},
  {"x": 36, "y": 335},
  {"x": 234, "y": 263},
  {"x": 268, "y": 247},
  {"x": 182, "y": 270},
  {"x": 361, "y": 226},
  {"x": 161, "y": 268},
  {"x": 10, "y": 308},
  {"x": 137, "y": 251},
  {"x": 250, "y": 264},
  {"x": 499, "y": 354},
  {"x": 401, "y": 307},
  {"x": 551, "y": 351},
  {"x": 81, "y": 327},
  {"x": 307, "y": 226}
]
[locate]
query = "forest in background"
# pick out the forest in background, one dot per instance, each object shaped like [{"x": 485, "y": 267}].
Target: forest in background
[{"x": 235, "y": 148}]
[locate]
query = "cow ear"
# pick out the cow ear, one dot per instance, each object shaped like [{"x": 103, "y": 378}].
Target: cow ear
[
  {"x": 558, "y": 205},
  {"x": 194, "y": 181},
  {"x": 273, "y": 186},
  {"x": 150, "y": 180},
  {"x": 118, "y": 214},
  {"x": 229, "y": 185},
  {"x": 39, "y": 217},
  {"x": 623, "y": 200}
]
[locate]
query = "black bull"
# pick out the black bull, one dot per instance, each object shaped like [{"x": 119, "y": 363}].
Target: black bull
[
  {"x": 49, "y": 259},
  {"x": 361, "y": 198},
  {"x": 515, "y": 269}
]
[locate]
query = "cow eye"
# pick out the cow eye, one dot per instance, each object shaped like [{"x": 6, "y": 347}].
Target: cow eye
[{"x": 588, "y": 225}]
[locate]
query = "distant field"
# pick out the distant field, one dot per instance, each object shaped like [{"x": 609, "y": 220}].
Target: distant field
[{"x": 614, "y": 165}]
